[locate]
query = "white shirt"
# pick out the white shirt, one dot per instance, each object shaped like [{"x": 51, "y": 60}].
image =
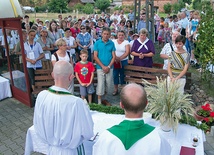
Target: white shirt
[
  {"x": 167, "y": 50},
  {"x": 151, "y": 144},
  {"x": 65, "y": 58},
  {"x": 70, "y": 42},
  {"x": 120, "y": 48},
  {"x": 33, "y": 53},
  {"x": 62, "y": 121}
]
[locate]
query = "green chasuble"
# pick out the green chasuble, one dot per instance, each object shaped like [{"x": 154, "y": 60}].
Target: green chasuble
[{"x": 129, "y": 132}]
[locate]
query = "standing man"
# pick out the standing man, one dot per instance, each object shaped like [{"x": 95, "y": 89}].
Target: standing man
[
  {"x": 61, "y": 119},
  {"x": 131, "y": 15},
  {"x": 104, "y": 55},
  {"x": 132, "y": 136}
]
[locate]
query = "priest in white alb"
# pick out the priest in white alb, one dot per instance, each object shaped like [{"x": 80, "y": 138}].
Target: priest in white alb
[
  {"x": 132, "y": 136},
  {"x": 61, "y": 121}
]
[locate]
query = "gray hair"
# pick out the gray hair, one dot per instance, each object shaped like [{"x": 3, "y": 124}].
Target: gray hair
[{"x": 144, "y": 31}]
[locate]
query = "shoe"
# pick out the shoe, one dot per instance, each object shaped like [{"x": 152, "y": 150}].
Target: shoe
[
  {"x": 115, "y": 93},
  {"x": 192, "y": 62},
  {"x": 106, "y": 103}
]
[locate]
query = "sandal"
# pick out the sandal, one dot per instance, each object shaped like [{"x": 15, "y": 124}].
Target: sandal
[{"x": 115, "y": 93}]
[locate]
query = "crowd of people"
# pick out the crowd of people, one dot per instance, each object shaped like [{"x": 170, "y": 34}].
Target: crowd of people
[
  {"x": 72, "y": 47},
  {"x": 108, "y": 40}
]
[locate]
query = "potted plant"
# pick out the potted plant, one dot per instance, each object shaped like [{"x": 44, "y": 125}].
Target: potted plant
[
  {"x": 168, "y": 104},
  {"x": 205, "y": 114}
]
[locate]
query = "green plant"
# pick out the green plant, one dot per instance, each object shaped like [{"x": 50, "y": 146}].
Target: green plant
[
  {"x": 58, "y": 6},
  {"x": 106, "y": 109},
  {"x": 102, "y": 4},
  {"x": 79, "y": 7},
  {"x": 167, "y": 8},
  {"x": 167, "y": 103},
  {"x": 205, "y": 45},
  {"x": 176, "y": 7},
  {"x": 88, "y": 8}
]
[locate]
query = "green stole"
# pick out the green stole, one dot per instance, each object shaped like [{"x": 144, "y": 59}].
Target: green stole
[
  {"x": 129, "y": 132},
  {"x": 58, "y": 92}
]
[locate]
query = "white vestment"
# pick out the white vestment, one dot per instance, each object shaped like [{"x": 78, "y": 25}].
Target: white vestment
[
  {"x": 62, "y": 121},
  {"x": 151, "y": 144}
]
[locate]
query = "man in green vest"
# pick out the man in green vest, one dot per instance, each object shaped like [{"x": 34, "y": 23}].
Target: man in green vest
[{"x": 132, "y": 136}]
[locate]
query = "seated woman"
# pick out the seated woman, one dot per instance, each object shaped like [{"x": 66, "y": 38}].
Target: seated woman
[{"x": 143, "y": 50}]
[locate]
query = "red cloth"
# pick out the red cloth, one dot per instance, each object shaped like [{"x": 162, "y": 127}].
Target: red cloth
[
  {"x": 84, "y": 71},
  {"x": 74, "y": 32}
]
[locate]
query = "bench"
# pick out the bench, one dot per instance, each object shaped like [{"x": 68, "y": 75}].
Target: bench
[
  {"x": 136, "y": 74},
  {"x": 43, "y": 80}
]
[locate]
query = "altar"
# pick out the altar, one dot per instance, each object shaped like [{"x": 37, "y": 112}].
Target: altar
[
  {"x": 5, "y": 88},
  {"x": 103, "y": 121}
]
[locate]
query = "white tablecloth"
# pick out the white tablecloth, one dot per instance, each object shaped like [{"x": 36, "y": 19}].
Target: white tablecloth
[
  {"x": 5, "y": 90},
  {"x": 103, "y": 121}
]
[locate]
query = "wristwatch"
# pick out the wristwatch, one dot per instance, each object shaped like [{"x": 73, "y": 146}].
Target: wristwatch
[{"x": 109, "y": 67}]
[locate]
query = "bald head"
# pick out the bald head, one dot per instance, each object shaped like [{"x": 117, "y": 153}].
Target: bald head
[
  {"x": 133, "y": 98},
  {"x": 62, "y": 69}
]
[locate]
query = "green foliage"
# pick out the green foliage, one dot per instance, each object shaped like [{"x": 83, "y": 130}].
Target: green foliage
[
  {"x": 168, "y": 103},
  {"x": 187, "y": 1},
  {"x": 199, "y": 4},
  {"x": 79, "y": 7},
  {"x": 205, "y": 44},
  {"x": 58, "y": 6},
  {"x": 41, "y": 8},
  {"x": 106, "y": 109},
  {"x": 192, "y": 121},
  {"x": 167, "y": 8},
  {"x": 102, "y": 4},
  {"x": 88, "y": 8},
  {"x": 176, "y": 7}
]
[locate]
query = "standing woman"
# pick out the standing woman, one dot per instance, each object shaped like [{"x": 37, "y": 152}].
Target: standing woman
[
  {"x": 62, "y": 55},
  {"x": 84, "y": 41},
  {"x": 54, "y": 34},
  {"x": 47, "y": 47},
  {"x": 34, "y": 54},
  {"x": 122, "y": 51},
  {"x": 143, "y": 50}
]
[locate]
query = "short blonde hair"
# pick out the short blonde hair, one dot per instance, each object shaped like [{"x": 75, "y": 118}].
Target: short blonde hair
[
  {"x": 60, "y": 42},
  {"x": 144, "y": 31}
]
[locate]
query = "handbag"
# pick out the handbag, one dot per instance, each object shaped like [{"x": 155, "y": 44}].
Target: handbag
[{"x": 117, "y": 65}]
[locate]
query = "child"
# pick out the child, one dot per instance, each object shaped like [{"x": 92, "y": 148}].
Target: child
[
  {"x": 178, "y": 64},
  {"x": 84, "y": 71},
  {"x": 161, "y": 36},
  {"x": 167, "y": 31},
  {"x": 71, "y": 43}
]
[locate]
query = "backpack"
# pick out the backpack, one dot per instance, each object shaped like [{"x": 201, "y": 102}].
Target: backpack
[{"x": 57, "y": 58}]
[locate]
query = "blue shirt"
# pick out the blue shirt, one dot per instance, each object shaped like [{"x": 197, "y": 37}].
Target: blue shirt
[
  {"x": 84, "y": 39},
  {"x": 104, "y": 51}
]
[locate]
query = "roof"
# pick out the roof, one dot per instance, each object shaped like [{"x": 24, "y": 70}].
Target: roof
[{"x": 87, "y": 1}]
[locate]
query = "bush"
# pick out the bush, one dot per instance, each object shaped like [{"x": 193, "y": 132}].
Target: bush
[
  {"x": 88, "y": 8},
  {"x": 178, "y": 6},
  {"x": 167, "y": 8},
  {"x": 102, "y": 4},
  {"x": 42, "y": 8},
  {"x": 79, "y": 7}
]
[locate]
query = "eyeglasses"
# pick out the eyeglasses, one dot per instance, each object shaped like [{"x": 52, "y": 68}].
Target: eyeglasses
[{"x": 82, "y": 28}]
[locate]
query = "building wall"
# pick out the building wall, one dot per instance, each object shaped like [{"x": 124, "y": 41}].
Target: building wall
[{"x": 157, "y": 3}]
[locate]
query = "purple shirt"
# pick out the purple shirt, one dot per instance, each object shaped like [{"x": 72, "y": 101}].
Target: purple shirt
[{"x": 146, "y": 61}]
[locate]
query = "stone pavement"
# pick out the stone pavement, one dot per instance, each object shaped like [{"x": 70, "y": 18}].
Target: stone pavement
[{"x": 16, "y": 118}]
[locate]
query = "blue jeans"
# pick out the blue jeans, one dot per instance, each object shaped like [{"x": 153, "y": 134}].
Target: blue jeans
[
  {"x": 120, "y": 72},
  {"x": 187, "y": 45}
]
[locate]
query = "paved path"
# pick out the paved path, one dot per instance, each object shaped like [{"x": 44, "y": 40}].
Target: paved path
[{"x": 16, "y": 118}]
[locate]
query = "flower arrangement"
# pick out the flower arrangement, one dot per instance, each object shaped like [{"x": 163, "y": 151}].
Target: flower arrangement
[
  {"x": 168, "y": 104},
  {"x": 207, "y": 114}
]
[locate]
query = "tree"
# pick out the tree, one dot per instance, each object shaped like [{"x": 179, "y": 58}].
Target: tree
[
  {"x": 167, "y": 8},
  {"x": 205, "y": 44},
  {"x": 102, "y": 4},
  {"x": 88, "y": 8},
  {"x": 57, "y": 6}
]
